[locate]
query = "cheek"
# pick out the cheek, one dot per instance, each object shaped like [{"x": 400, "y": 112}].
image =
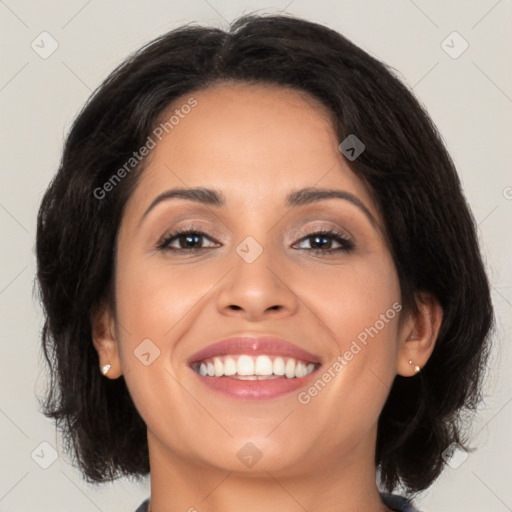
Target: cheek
[
  {"x": 352, "y": 298},
  {"x": 154, "y": 295},
  {"x": 360, "y": 305},
  {"x": 156, "y": 301}
]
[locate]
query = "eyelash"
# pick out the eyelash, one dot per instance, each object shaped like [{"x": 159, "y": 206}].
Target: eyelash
[{"x": 346, "y": 244}]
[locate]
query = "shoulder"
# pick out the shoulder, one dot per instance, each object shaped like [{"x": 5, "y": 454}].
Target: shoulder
[{"x": 397, "y": 503}]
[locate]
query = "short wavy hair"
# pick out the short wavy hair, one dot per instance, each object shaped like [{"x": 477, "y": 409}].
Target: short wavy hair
[{"x": 429, "y": 228}]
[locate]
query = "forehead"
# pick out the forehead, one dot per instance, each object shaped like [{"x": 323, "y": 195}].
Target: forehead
[{"x": 256, "y": 143}]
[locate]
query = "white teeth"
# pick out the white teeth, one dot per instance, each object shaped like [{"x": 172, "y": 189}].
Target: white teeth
[
  {"x": 262, "y": 367},
  {"x": 218, "y": 366},
  {"x": 289, "y": 369},
  {"x": 279, "y": 366},
  {"x": 245, "y": 365},
  {"x": 229, "y": 366},
  {"x": 300, "y": 369}
]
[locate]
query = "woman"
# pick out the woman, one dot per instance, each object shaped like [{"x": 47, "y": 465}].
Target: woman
[{"x": 261, "y": 241}]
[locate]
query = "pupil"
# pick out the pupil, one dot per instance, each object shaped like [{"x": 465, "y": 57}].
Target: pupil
[
  {"x": 190, "y": 239},
  {"x": 319, "y": 238}
]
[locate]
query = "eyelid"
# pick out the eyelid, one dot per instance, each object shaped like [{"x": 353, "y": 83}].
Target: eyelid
[
  {"x": 326, "y": 225},
  {"x": 176, "y": 231},
  {"x": 303, "y": 231}
]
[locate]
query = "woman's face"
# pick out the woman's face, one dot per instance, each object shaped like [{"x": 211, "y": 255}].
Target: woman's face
[{"x": 255, "y": 273}]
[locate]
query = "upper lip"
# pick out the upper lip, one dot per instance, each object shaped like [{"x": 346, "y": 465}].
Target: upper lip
[{"x": 254, "y": 345}]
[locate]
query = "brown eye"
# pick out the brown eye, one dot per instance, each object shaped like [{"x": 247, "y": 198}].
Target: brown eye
[
  {"x": 322, "y": 242},
  {"x": 188, "y": 240}
]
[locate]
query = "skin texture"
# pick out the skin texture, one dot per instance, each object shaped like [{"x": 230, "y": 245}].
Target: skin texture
[{"x": 256, "y": 144}]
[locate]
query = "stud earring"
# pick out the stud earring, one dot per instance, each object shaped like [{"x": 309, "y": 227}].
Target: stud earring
[
  {"x": 105, "y": 369},
  {"x": 415, "y": 366}
]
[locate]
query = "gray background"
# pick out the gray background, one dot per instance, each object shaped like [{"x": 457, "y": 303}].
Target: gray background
[{"x": 469, "y": 98}]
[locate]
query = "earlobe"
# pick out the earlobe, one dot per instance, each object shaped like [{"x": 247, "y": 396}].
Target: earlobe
[
  {"x": 104, "y": 340},
  {"x": 419, "y": 335}
]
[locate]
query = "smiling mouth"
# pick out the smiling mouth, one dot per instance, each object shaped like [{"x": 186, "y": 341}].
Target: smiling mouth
[{"x": 247, "y": 367}]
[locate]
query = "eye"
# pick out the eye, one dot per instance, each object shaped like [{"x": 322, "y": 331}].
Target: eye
[
  {"x": 187, "y": 240},
  {"x": 192, "y": 240},
  {"x": 322, "y": 242}
]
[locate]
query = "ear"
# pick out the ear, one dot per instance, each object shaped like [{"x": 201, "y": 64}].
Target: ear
[
  {"x": 418, "y": 335},
  {"x": 104, "y": 338}
]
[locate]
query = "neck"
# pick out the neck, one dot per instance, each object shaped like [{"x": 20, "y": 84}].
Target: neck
[{"x": 178, "y": 484}]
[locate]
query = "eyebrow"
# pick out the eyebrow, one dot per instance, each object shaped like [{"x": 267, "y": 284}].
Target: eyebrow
[{"x": 300, "y": 197}]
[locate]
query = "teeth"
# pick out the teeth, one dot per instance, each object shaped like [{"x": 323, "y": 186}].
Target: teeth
[
  {"x": 218, "y": 366},
  {"x": 229, "y": 366},
  {"x": 279, "y": 367},
  {"x": 262, "y": 367},
  {"x": 300, "y": 369},
  {"x": 289, "y": 369},
  {"x": 245, "y": 366}
]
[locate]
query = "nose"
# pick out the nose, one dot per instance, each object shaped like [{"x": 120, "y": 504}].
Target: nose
[{"x": 257, "y": 289}]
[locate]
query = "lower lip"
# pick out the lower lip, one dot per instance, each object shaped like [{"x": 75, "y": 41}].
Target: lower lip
[{"x": 255, "y": 389}]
